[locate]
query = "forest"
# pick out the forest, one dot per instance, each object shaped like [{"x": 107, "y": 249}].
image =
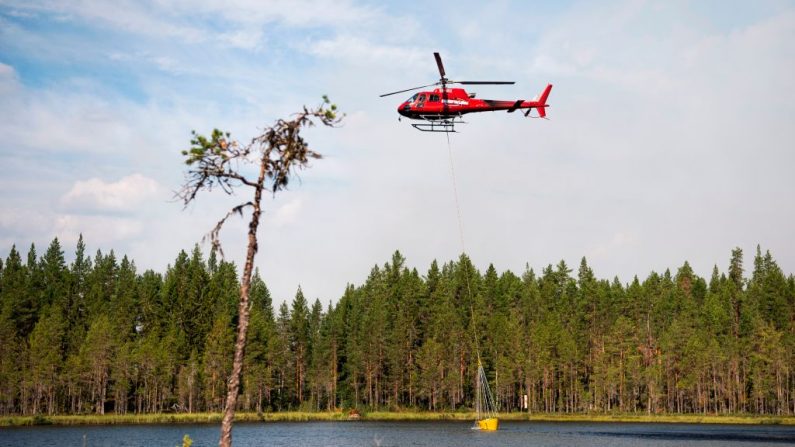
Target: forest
[{"x": 96, "y": 336}]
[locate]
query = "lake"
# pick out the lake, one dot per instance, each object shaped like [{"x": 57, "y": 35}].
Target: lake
[{"x": 391, "y": 434}]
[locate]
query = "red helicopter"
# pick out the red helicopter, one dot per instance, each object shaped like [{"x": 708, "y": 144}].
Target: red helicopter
[{"x": 443, "y": 107}]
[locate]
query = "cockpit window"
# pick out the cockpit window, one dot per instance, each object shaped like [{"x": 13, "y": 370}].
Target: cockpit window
[
  {"x": 413, "y": 98},
  {"x": 422, "y": 98}
]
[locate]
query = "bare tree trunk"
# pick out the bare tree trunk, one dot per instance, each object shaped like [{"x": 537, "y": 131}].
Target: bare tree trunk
[
  {"x": 243, "y": 310},
  {"x": 333, "y": 397},
  {"x": 214, "y": 163}
]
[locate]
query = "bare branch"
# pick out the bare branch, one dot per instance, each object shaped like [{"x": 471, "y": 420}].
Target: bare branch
[
  {"x": 214, "y": 162},
  {"x": 284, "y": 150},
  {"x": 213, "y": 235}
]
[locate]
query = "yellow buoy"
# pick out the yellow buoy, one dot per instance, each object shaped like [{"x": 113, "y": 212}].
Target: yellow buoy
[{"x": 489, "y": 424}]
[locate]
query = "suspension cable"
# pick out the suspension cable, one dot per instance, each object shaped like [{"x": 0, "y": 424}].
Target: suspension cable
[
  {"x": 455, "y": 193},
  {"x": 463, "y": 248}
]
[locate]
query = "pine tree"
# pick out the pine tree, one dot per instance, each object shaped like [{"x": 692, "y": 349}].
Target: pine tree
[
  {"x": 325, "y": 355},
  {"x": 26, "y": 302},
  {"x": 314, "y": 355},
  {"x": 188, "y": 386},
  {"x": 299, "y": 343},
  {"x": 122, "y": 376},
  {"x": 55, "y": 280},
  {"x": 124, "y": 306},
  {"x": 155, "y": 311},
  {"x": 77, "y": 309},
  {"x": 258, "y": 370},
  {"x": 196, "y": 303},
  {"x": 372, "y": 335},
  {"x": 101, "y": 285},
  {"x": 10, "y": 373},
  {"x": 46, "y": 343},
  {"x": 223, "y": 291},
  {"x": 217, "y": 361},
  {"x": 280, "y": 351},
  {"x": 13, "y": 290},
  {"x": 672, "y": 343},
  {"x": 96, "y": 354}
]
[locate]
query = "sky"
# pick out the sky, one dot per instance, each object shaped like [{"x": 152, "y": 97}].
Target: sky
[{"x": 670, "y": 138}]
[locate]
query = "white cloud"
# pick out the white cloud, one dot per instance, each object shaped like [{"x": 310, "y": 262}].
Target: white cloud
[
  {"x": 131, "y": 16},
  {"x": 668, "y": 140},
  {"x": 619, "y": 244},
  {"x": 125, "y": 194},
  {"x": 8, "y": 80},
  {"x": 18, "y": 222},
  {"x": 302, "y": 13},
  {"x": 360, "y": 50},
  {"x": 288, "y": 213},
  {"x": 245, "y": 39},
  {"x": 235, "y": 23},
  {"x": 7, "y": 71},
  {"x": 62, "y": 122},
  {"x": 104, "y": 231}
]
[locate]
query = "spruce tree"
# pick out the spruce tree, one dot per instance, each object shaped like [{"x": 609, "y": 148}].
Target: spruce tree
[
  {"x": 76, "y": 308},
  {"x": 26, "y": 304},
  {"x": 299, "y": 343},
  {"x": 13, "y": 290},
  {"x": 55, "y": 280}
]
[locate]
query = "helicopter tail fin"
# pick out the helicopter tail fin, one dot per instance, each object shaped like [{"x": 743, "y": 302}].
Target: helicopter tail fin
[
  {"x": 542, "y": 98},
  {"x": 541, "y": 102}
]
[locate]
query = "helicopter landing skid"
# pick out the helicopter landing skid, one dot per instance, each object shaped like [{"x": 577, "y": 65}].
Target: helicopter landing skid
[{"x": 446, "y": 125}]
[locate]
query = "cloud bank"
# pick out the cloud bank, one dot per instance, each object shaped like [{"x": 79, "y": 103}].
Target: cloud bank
[{"x": 670, "y": 134}]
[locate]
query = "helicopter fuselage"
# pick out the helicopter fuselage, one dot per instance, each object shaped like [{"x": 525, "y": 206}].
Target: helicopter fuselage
[{"x": 442, "y": 104}]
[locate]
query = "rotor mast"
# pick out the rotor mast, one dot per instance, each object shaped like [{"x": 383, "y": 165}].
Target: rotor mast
[{"x": 442, "y": 80}]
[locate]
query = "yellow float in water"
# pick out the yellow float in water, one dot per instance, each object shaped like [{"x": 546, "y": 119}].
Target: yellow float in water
[
  {"x": 484, "y": 403},
  {"x": 490, "y": 424}
]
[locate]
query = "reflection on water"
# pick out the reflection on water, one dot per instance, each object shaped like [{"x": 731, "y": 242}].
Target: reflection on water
[{"x": 391, "y": 434}]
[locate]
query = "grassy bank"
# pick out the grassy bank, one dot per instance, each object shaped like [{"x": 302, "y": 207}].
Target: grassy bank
[
  {"x": 167, "y": 418},
  {"x": 666, "y": 418},
  {"x": 298, "y": 416},
  {"x": 555, "y": 417}
]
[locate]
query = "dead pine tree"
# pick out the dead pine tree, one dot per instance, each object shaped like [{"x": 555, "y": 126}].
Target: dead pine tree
[{"x": 216, "y": 162}]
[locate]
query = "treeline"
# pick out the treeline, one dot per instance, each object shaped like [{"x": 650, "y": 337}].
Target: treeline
[{"x": 96, "y": 336}]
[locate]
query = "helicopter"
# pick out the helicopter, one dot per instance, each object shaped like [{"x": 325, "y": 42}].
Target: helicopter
[{"x": 444, "y": 107}]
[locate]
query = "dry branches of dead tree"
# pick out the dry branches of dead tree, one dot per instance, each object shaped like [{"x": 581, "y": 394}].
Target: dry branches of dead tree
[{"x": 218, "y": 161}]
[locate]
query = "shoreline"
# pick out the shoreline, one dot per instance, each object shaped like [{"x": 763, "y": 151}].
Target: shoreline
[{"x": 396, "y": 416}]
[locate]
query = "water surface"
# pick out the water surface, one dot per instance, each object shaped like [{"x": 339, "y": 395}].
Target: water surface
[{"x": 393, "y": 434}]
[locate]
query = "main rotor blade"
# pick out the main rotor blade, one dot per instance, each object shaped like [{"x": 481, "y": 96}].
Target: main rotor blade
[
  {"x": 483, "y": 82},
  {"x": 408, "y": 89},
  {"x": 439, "y": 64}
]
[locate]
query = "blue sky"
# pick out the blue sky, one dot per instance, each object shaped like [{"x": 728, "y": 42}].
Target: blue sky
[{"x": 670, "y": 136}]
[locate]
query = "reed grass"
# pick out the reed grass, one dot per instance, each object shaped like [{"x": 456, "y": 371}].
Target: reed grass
[
  {"x": 168, "y": 418},
  {"x": 666, "y": 418},
  {"x": 407, "y": 415}
]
